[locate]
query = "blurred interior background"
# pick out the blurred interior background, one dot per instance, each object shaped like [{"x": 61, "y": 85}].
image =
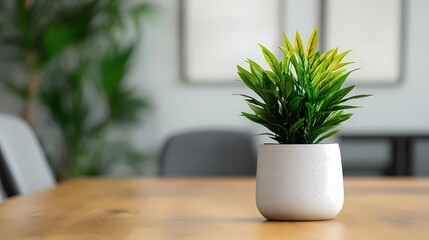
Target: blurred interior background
[{"x": 105, "y": 83}]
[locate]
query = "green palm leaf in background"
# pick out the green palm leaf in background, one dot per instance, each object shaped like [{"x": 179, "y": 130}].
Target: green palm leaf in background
[{"x": 75, "y": 55}]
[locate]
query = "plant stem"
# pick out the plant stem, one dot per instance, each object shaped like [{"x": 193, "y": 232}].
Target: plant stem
[
  {"x": 28, "y": 3},
  {"x": 30, "y": 97},
  {"x": 33, "y": 85},
  {"x": 34, "y": 75}
]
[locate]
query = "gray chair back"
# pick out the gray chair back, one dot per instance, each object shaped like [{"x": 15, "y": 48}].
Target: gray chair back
[
  {"x": 23, "y": 162},
  {"x": 2, "y": 194},
  {"x": 209, "y": 153}
]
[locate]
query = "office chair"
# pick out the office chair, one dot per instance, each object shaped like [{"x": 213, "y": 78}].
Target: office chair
[
  {"x": 208, "y": 153},
  {"x": 2, "y": 194},
  {"x": 24, "y": 168}
]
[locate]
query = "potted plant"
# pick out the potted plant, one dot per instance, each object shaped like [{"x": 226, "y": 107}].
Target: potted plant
[
  {"x": 301, "y": 100},
  {"x": 74, "y": 65}
]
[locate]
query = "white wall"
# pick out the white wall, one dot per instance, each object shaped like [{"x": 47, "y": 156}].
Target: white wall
[{"x": 178, "y": 106}]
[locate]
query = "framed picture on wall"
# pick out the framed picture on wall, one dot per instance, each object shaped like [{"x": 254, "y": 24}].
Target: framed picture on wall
[
  {"x": 373, "y": 30},
  {"x": 215, "y": 36}
]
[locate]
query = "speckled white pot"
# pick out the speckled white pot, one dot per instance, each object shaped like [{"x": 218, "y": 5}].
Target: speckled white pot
[{"x": 299, "y": 181}]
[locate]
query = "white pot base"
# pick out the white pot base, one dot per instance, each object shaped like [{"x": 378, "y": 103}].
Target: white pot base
[{"x": 299, "y": 182}]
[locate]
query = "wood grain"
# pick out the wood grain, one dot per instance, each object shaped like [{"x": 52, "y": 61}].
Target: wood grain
[{"x": 216, "y": 208}]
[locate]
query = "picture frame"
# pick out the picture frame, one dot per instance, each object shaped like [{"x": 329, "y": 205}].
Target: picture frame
[
  {"x": 215, "y": 36},
  {"x": 375, "y": 37}
]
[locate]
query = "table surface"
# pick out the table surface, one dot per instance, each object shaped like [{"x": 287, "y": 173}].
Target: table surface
[{"x": 204, "y": 208}]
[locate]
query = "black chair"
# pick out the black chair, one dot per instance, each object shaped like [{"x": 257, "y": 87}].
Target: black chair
[{"x": 209, "y": 153}]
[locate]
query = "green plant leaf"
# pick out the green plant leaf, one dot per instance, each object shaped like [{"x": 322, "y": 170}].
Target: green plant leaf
[
  {"x": 343, "y": 107},
  {"x": 253, "y": 118},
  {"x": 312, "y": 45},
  {"x": 315, "y": 133},
  {"x": 287, "y": 45},
  {"x": 310, "y": 110},
  {"x": 356, "y": 97},
  {"x": 271, "y": 60},
  {"x": 294, "y": 104},
  {"x": 328, "y": 135},
  {"x": 288, "y": 85},
  {"x": 299, "y": 47},
  {"x": 273, "y": 77},
  {"x": 256, "y": 72},
  {"x": 262, "y": 113},
  {"x": 246, "y": 78},
  {"x": 295, "y": 126}
]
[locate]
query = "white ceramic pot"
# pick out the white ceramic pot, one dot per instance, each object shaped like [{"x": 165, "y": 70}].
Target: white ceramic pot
[{"x": 299, "y": 181}]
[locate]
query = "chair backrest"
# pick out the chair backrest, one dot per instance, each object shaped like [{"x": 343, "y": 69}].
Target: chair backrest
[
  {"x": 209, "y": 153},
  {"x": 2, "y": 194},
  {"x": 23, "y": 156}
]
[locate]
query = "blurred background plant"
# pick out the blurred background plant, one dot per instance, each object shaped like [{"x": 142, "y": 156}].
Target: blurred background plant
[{"x": 71, "y": 59}]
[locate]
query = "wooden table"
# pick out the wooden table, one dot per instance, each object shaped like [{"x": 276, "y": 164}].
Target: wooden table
[{"x": 221, "y": 209}]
